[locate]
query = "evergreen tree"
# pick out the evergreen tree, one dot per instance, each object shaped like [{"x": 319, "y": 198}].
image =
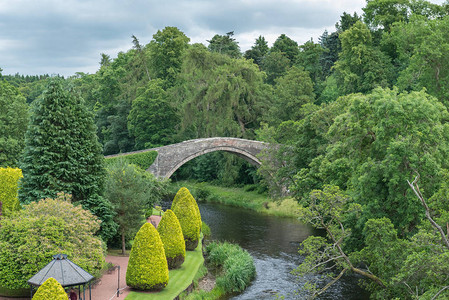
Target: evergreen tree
[
  {"x": 61, "y": 152},
  {"x": 13, "y": 123},
  {"x": 258, "y": 51},
  {"x": 225, "y": 44}
]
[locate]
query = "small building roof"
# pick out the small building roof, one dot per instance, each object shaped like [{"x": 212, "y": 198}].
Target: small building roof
[{"x": 63, "y": 270}]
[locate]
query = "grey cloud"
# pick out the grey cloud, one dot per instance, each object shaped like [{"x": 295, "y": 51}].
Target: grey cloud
[{"x": 68, "y": 36}]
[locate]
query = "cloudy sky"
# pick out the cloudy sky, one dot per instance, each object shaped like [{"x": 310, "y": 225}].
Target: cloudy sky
[{"x": 67, "y": 36}]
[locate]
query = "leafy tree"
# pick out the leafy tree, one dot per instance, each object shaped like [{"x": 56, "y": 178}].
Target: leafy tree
[
  {"x": 258, "y": 51},
  {"x": 361, "y": 66},
  {"x": 129, "y": 190},
  {"x": 225, "y": 44},
  {"x": 13, "y": 123},
  {"x": 147, "y": 267},
  {"x": 29, "y": 239},
  {"x": 291, "y": 92},
  {"x": 220, "y": 96},
  {"x": 383, "y": 13},
  {"x": 117, "y": 133},
  {"x": 346, "y": 21},
  {"x": 275, "y": 64},
  {"x": 152, "y": 120},
  {"x": 50, "y": 289},
  {"x": 61, "y": 148},
  {"x": 171, "y": 236},
  {"x": 309, "y": 59},
  {"x": 326, "y": 209},
  {"x": 286, "y": 45},
  {"x": 422, "y": 46},
  {"x": 166, "y": 51},
  {"x": 375, "y": 146}
]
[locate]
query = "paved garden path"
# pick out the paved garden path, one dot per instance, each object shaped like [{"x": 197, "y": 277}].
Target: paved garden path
[{"x": 106, "y": 289}]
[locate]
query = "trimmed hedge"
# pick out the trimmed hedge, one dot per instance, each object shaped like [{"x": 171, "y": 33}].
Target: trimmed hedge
[
  {"x": 147, "y": 266},
  {"x": 50, "y": 289},
  {"x": 171, "y": 235},
  {"x": 142, "y": 159},
  {"x": 186, "y": 210},
  {"x": 9, "y": 187}
]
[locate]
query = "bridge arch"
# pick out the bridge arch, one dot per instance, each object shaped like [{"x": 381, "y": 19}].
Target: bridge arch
[
  {"x": 239, "y": 152},
  {"x": 172, "y": 157}
]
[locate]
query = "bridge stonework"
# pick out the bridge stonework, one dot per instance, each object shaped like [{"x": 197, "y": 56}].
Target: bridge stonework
[{"x": 172, "y": 157}]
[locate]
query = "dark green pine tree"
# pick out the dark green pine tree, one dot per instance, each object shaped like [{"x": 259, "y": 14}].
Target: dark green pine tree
[{"x": 62, "y": 153}]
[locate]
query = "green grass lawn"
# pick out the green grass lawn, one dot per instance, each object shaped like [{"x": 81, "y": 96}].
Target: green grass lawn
[
  {"x": 238, "y": 197},
  {"x": 179, "y": 279}
]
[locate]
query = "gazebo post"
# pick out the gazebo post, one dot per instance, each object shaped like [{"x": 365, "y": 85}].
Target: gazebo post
[
  {"x": 84, "y": 292},
  {"x": 31, "y": 291},
  {"x": 90, "y": 292}
]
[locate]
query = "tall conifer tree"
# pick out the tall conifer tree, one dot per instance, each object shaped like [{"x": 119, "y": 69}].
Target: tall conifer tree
[{"x": 62, "y": 153}]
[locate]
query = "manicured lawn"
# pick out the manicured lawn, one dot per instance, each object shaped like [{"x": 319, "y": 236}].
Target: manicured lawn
[
  {"x": 238, "y": 197},
  {"x": 179, "y": 279}
]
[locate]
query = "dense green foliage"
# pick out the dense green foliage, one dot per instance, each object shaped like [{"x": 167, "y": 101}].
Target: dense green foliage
[
  {"x": 13, "y": 123},
  {"x": 171, "y": 236},
  {"x": 9, "y": 186},
  {"x": 61, "y": 152},
  {"x": 152, "y": 120},
  {"x": 130, "y": 190},
  {"x": 351, "y": 117},
  {"x": 236, "y": 265},
  {"x": 141, "y": 159},
  {"x": 186, "y": 210},
  {"x": 147, "y": 267},
  {"x": 50, "y": 289},
  {"x": 30, "y": 237}
]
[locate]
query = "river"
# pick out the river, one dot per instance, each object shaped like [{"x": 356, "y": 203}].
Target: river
[{"x": 273, "y": 242}]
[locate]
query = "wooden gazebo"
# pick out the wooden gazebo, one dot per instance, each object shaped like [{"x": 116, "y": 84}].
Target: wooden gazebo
[{"x": 66, "y": 272}]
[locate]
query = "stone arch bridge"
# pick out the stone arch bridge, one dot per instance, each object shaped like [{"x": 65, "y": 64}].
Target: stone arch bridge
[{"x": 172, "y": 157}]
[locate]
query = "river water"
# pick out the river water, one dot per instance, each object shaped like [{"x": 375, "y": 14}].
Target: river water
[{"x": 273, "y": 242}]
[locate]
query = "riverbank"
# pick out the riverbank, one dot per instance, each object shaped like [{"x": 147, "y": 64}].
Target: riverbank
[{"x": 239, "y": 197}]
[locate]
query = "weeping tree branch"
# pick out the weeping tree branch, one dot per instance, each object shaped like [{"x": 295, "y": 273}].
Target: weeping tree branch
[{"x": 414, "y": 186}]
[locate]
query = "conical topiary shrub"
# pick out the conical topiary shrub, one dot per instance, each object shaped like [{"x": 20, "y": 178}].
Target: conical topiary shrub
[
  {"x": 147, "y": 266},
  {"x": 171, "y": 235},
  {"x": 186, "y": 210},
  {"x": 50, "y": 289},
  {"x": 185, "y": 193}
]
